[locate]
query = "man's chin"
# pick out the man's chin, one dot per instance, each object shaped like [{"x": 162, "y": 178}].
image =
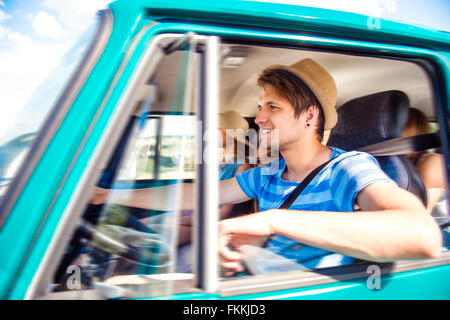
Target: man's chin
[{"x": 265, "y": 142}]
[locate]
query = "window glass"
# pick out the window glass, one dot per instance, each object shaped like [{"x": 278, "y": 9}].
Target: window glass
[
  {"x": 178, "y": 139},
  {"x": 158, "y": 150},
  {"x": 17, "y": 138},
  {"x": 124, "y": 245}
]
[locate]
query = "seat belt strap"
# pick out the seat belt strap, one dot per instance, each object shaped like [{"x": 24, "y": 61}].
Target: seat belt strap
[
  {"x": 404, "y": 145},
  {"x": 299, "y": 189},
  {"x": 390, "y": 147},
  {"x": 294, "y": 194}
]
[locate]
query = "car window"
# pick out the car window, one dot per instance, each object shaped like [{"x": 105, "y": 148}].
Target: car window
[
  {"x": 17, "y": 137},
  {"x": 123, "y": 245},
  {"x": 357, "y": 77},
  {"x": 159, "y": 145}
]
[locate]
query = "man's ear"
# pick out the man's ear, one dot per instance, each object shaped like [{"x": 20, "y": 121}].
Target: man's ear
[{"x": 312, "y": 113}]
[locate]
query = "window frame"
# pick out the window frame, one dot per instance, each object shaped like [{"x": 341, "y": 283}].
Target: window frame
[
  {"x": 303, "y": 279},
  {"x": 429, "y": 61}
]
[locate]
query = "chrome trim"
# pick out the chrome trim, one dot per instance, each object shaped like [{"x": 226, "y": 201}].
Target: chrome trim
[
  {"x": 301, "y": 279},
  {"x": 208, "y": 186},
  {"x": 58, "y": 113}
]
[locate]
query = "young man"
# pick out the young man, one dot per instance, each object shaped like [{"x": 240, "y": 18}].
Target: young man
[{"x": 320, "y": 229}]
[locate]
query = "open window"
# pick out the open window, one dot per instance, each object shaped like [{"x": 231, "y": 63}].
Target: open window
[
  {"x": 126, "y": 250},
  {"x": 373, "y": 91}
]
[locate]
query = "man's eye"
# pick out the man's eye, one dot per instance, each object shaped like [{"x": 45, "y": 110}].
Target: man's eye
[
  {"x": 259, "y": 108},
  {"x": 272, "y": 107}
]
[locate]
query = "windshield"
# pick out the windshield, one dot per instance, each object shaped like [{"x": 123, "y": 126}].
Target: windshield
[
  {"x": 17, "y": 136},
  {"x": 158, "y": 148}
]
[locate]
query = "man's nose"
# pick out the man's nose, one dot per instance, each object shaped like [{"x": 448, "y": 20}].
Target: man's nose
[{"x": 261, "y": 117}]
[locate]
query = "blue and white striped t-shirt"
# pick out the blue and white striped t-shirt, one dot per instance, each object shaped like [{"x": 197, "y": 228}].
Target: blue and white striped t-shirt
[{"x": 333, "y": 189}]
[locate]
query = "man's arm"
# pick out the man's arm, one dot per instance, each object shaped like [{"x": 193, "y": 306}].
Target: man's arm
[
  {"x": 392, "y": 225},
  {"x": 162, "y": 198},
  {"x": 432, "y": 171},
  {"x": 158, "y": 198},
  {"x": 231, "y": 192}
]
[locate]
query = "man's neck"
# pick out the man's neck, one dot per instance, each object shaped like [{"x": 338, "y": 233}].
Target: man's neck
[{"x": 303, "y": 157}]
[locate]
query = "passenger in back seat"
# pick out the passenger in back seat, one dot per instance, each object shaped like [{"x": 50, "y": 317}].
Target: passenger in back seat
[{"x": 430, "y": 166}]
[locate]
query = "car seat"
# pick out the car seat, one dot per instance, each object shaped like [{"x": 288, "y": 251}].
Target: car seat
[{"x": 372, "y": 119}]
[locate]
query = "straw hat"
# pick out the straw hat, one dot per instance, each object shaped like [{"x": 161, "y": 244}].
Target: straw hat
[
  {"x": 321, "y": 84},
  {"x": 233, "y": 120}
]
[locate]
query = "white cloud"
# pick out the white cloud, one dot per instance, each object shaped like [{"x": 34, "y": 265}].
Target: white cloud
[
  {"x": 4, "y": 16},
  {"x": 23, "y": 67},
  {"x": 48, "y": 26},
  {"x": 4, "y": 32},
  {"x": 18, "y": 39},
  {"x": 25, "y": 62},
  {"x": 76, "y": 14}
]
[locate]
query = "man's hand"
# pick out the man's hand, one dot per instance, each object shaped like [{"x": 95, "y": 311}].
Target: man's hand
[
  {"x": 99, "y": 196},
  {"x": 233, "y": 233}
]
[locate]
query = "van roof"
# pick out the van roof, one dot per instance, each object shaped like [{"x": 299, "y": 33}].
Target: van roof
[{"x": 291, "y": 17}]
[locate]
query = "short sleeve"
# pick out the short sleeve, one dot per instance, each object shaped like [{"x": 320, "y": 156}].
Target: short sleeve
[
  {"x": 353, "y": 173},
  {"x": 249, "y": 181},
  {"x": 228, "y": 171}
]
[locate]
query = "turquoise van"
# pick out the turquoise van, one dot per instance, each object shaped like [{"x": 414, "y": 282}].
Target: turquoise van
[{"x": 135, "y": 103}]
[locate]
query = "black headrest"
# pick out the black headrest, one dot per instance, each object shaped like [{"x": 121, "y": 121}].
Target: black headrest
[
  {"x": 370, "y": 119},
  {"x": 375, "y": 118}
]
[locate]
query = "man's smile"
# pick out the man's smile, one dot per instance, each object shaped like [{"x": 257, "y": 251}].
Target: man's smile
[{"x": 265, "y": 131}]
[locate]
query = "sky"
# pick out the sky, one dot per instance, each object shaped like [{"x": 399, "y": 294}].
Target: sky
[
  {"x": 35, "y": 34},
  {"x": 431, "y": 13}
]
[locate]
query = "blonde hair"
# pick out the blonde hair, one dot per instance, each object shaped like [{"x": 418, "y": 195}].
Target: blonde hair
[{"x": 417, "y": 124}]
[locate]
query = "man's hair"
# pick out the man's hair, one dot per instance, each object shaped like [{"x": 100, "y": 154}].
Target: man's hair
[
  {"x": 295, "y": 91},
  {"x": 417, "y": 123}
]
